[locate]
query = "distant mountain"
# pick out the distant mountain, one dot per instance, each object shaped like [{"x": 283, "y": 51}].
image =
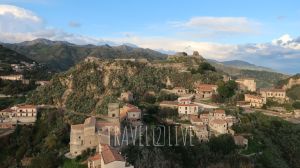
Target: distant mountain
[
  {"x": 8, "y": 56},
  {"x": 61, "y": 55},
  {"x": 242, "y": 65}
]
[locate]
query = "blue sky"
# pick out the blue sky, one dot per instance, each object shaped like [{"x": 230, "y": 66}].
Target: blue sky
[{"x": 260, "y": 32}]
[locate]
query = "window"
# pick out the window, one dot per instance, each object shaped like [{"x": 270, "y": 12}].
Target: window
[{"x": 113, "y": 115}]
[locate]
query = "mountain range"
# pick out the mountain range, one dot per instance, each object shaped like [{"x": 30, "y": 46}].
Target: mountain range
[
  {"x": 239, "y": 64},
  {"x": 61, "y": 55}
]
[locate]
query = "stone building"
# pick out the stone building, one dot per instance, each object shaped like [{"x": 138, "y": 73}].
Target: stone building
[
  {"x": 83, "y": 136},
  {"x": 246, "y": 84},
  {"x": 180, "y": 91},
  {"x": 188, "y": 109},
  {"x": 255, "y": 101},
  {"x": 12, "y": 77},
  {"x": 277, "y": 94},
  {"x": 204, "y": 91},
  {"x": 126, "y": 96},
  {"x": 107, "y": 157}
]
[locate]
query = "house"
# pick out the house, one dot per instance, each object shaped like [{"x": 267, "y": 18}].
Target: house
[
  {"x": 12, "y": 77},
  {"x": 205, "y": 91},
  {"x": 107, "y": 157},
  {"x": 134, "y": 114},
  {"x": 131, "y": 113},
  {"x": 180, "y": 91},
  {"x": 201, "y": 132},
  {"x": 126, "y": 96},
  {"x": 22, "y": 113},
  {"x": 240, "y": 141},
  {"x": 25, "y": 110},
  {"x": 196, "y": 120},
  {"x": 7, "y": 113},
  {"x": 246, "y": 84},
  {"x": 219, "y": 126},
  {"x": 255, "y": 101},
  {"x": 277, "y": 94},
  {"x": 217, "y": 114},
  {"x": 94, "y": 161},
  {"x": 297, "y": 113},
  {"x": 187, "y": 109},
  {"x": 184, "y": 100}
]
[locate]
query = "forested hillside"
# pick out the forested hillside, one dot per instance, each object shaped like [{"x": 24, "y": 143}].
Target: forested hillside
[{"x": 89, "y": 86}]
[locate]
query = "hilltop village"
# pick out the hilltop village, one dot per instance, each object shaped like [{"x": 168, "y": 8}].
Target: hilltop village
[{"x": 207, "y": 108}]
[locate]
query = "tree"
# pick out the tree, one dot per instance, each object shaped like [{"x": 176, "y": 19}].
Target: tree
[{"x": 226, "y": 90}]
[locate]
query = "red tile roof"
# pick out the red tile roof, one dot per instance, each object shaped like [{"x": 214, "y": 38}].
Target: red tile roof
[
  {"x": 195, "y": 118},
  {"x": 206, "y": 87},
  {"x": 111, "y": 155},
  {"x": 95, "y": 157},
  {"x": 221, "y": 111}
]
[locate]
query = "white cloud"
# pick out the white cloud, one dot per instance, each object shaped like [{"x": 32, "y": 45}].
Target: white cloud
[
  {"x": 18, "y": 13},
  {"x": 219, "y": 24}
]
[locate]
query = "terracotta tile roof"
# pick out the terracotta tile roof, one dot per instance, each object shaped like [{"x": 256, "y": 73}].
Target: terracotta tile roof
[
  {"x": 95, "y": 157},
  {"x": 100, "y": 124},
  {"x": 7, "y": 110},
  {"x": 133, "y": 110},
  {"x": 220, "y": 111},
  {"x": 253, "y": 96},
  {"x": 206, "y": 87},
  {"x": 111, "y": 155},
  {"x": 26, "y": 106},
  {"x": 195, "y": 118},
  {"x": 218, "y": 121}
]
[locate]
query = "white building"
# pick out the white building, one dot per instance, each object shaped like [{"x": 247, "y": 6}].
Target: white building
[{"x": 187, "y": 109}]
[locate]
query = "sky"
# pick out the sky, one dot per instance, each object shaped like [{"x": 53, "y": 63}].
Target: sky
[{"x": 265, "y": 32}]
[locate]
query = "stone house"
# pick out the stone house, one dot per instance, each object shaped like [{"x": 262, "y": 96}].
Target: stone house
[
  {"x": 126, "y": 96},
  {"x": 277, "y": 94},
  {"x": 219, "y": 126},
  {"x": 201, "y": 132},
  {"x": 180, "y": 91},
  {"x": 204, "y": 91},
  {"x": 187, "y": 109},
  {"x": 246, "y": 84},
  {"x": 107, "y": 157},
  {"x": 255, "y": 101}
]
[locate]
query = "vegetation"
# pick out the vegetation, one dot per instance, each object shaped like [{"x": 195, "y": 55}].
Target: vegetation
[
  {"x": 15, "y": 87},
  {"x": 294, "y": 92},
  {"x": 65, "y": 55},
  {"x": 46, "y": 142},
  {"x": 225, "y": 91},
  {"x": 278, "y": 141},
  {"x": 89, "y": 87}
]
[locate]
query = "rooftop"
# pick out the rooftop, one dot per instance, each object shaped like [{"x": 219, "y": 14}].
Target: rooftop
[
  {"x": 218, "y": 121},
  {"x": 110, "y": 155}
]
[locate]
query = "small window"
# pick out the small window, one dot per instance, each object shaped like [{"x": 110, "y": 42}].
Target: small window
[{"x": 113, "y": 115}]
